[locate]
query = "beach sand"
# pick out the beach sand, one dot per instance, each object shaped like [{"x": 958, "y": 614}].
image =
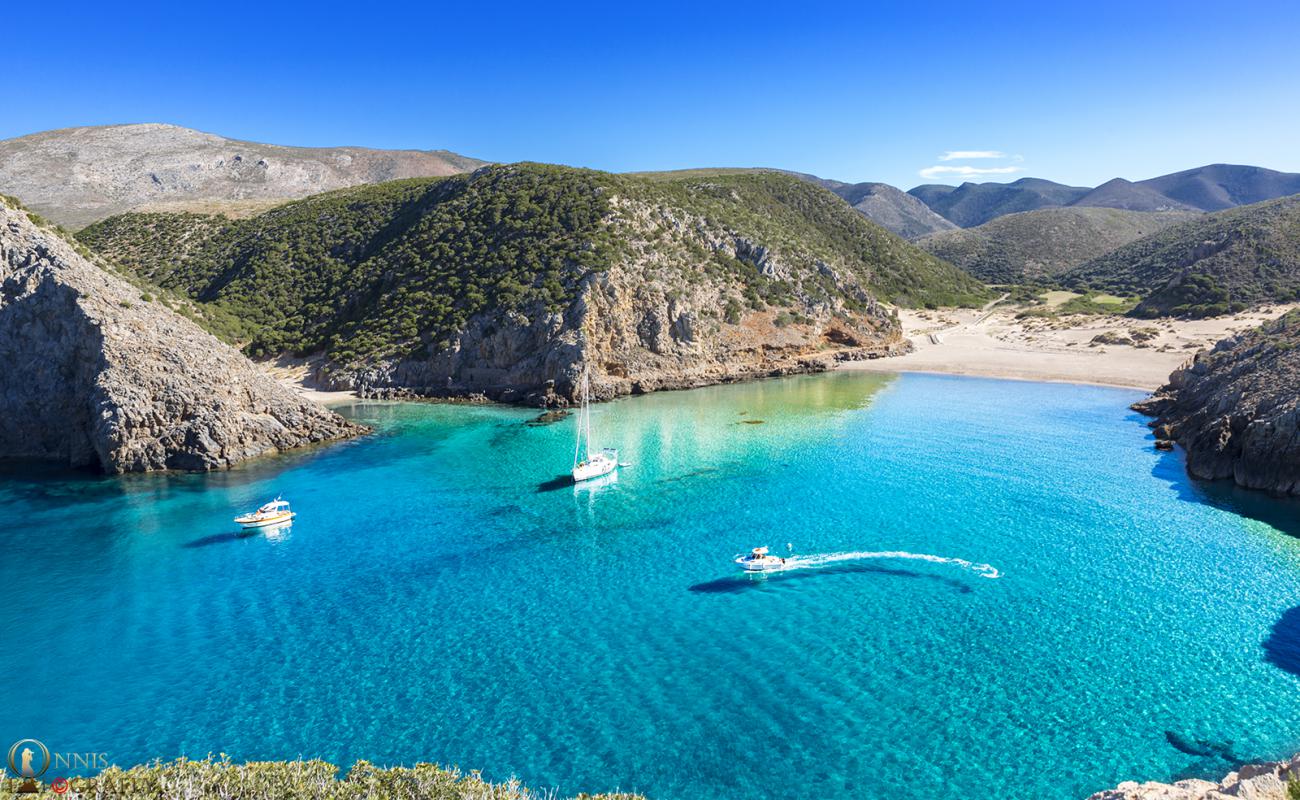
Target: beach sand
[
  {"x": 295, "y": 373},
  {"x": 993, "y": 342}
]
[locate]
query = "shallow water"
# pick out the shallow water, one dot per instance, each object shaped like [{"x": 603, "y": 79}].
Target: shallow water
[{"x": 445, "y": 596}]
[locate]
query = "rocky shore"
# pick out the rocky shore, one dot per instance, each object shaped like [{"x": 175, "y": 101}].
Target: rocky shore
[
  {"x": 97, "y": 373},
  {"x": 1266, "y": 781},
  {"x": 1235, "y": 408}
]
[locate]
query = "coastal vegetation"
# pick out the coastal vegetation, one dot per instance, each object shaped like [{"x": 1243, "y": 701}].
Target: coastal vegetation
[
  {"x": 1211, "y": 265},
  {"x": 183, "y": 779},
  {"x": 397, "y": 269},
  {"x": 1039, "y": 245}
]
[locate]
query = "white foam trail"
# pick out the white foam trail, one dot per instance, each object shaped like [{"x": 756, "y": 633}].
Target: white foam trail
[{"x": 821, "y": 560}]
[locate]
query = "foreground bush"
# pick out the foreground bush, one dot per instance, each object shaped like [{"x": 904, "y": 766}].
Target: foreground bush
[{"x": 184, "y": 779}]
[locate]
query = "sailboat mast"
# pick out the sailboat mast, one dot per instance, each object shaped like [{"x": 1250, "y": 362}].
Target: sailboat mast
[{"x": 586, "y": 406}]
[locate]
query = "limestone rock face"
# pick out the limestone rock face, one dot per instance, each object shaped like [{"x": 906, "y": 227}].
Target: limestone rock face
[
  {"x": 75, "y": 176},
  {"x": 1236, "y": 408},
  {"x": 1265, "y": 781},
  {"x": 91, "y": 373}
]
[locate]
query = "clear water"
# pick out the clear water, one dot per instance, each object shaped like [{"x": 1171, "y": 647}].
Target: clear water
[{"x": 444, "y": 596}]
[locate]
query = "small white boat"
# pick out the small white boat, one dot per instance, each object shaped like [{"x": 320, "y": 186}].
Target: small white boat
[
  {"x": 588, "y": 465},
  {"x": 276, "y": 512},
  {"x": 758, "y": 560}
]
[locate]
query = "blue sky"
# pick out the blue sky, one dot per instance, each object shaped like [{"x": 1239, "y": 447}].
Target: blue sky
[{"x": 1074, "y": 92}]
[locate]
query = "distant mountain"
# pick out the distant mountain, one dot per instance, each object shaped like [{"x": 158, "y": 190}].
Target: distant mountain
[
  {"x": 1122, "y": 194},
  {"x": 75, "y": 176},
  {"x": 892, "y": 209},
  {"x": 1210, "y": 188},
  {"x": 1041, "y": 244},
  {"x": 1214, "y": 263},
  {"x": 1219, "y": 186},
  {"x": 974, "y": 204}
]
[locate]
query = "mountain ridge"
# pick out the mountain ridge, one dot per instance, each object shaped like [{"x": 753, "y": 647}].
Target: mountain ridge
[
  {"x": 1212, "y": 187},
  {"x": 75, "y": 176}
]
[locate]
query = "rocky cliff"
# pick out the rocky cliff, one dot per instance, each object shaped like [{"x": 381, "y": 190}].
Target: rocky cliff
[
  {"x": 508, "y": 281},
  {"x": 1267, "y": 781},
  {"x": 1236, "y": 408},
  {"x": 95, "y": 373},
  {"x": 75, "y": 176}
]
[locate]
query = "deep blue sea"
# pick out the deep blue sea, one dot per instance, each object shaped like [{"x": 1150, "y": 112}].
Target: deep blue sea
[{"x": 445, "y": 595}]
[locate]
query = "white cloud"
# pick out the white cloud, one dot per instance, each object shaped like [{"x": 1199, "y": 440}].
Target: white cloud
[
  {"x": 967, "y": 171},
  {"x": 954, "y": 155}
]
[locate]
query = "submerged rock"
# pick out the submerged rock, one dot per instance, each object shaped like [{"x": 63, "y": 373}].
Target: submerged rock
[
  {"x": 95, "y": 372},
  {"x": 1235, "y": 408},
  {"x": 547, "y": 418}
]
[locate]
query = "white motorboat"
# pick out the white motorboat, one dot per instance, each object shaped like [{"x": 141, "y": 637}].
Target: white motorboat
[
  {"x": 759, "y": 560},
  {"x": 276, "y": 512},
  {"x": 588, "y": 465}
]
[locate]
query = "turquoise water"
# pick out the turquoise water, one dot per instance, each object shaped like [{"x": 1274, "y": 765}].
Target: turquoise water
[{"x": 443, "y": 596}]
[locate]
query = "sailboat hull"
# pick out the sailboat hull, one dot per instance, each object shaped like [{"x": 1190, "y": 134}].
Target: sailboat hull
[{"x": 600, "y": 464}]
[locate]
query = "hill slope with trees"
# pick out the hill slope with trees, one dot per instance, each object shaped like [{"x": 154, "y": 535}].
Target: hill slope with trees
[{"x": 506, "y": 278}]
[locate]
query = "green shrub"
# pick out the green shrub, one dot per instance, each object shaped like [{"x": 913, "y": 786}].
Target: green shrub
[{"x": 220, "y": 778}]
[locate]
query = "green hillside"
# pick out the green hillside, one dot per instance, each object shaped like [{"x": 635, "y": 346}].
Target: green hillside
[
  {"x": 398, "y": 267},
  {"x": 1214, "y": 264},
  {"x": 1038, "y": 245}
]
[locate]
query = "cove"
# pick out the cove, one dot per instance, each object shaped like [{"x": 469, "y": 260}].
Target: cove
[{"x": 445, "y": 595}]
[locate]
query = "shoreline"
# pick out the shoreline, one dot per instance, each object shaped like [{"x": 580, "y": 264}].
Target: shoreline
[
  {"x": 1091, "y": 350},
  {"x": 995, "y": 342},
  {"x": 957, "y": 372}
]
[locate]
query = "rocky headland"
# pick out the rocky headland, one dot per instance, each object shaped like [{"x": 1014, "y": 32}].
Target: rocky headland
[
  {"x": 1266, "y": 781},
  {"x": 97, "y": 373},
  {"x": 507, "y": 283},
  {"x": 1235, "y": 408}
]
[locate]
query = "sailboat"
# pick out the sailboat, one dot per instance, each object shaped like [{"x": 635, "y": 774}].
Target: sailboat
[{"x": 588, "y": 465}]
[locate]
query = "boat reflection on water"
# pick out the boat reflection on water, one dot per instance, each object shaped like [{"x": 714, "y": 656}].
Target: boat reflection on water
[
  {"x": 278, "y": 533},
  {"x": 593, "y": 485}
]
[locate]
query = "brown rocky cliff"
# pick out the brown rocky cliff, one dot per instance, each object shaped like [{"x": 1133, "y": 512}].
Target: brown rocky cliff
[
  {"x": 91, "y": 373},
  {"x": 1236, "y": 408}
]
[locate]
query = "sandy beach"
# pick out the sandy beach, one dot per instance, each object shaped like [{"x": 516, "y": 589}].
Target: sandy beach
[
  {"x": 1097, "y": 349},
  {"x": 295, "y": 373}
]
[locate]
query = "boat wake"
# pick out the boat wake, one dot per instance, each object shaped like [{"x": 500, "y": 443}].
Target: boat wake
[{"x": 826, "y": 559}]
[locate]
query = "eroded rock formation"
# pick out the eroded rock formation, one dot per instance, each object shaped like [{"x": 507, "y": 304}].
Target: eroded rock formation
[
  {"x": 94, "y": 373},
  {"x": 1236, "y": 408}
]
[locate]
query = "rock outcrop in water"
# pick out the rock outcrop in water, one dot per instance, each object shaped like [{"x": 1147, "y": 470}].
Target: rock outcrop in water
[
  {"x": 1236, "y": 408},
  {"x": 1267, "y": 781},
  {"x": 94, "y": 373}
]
